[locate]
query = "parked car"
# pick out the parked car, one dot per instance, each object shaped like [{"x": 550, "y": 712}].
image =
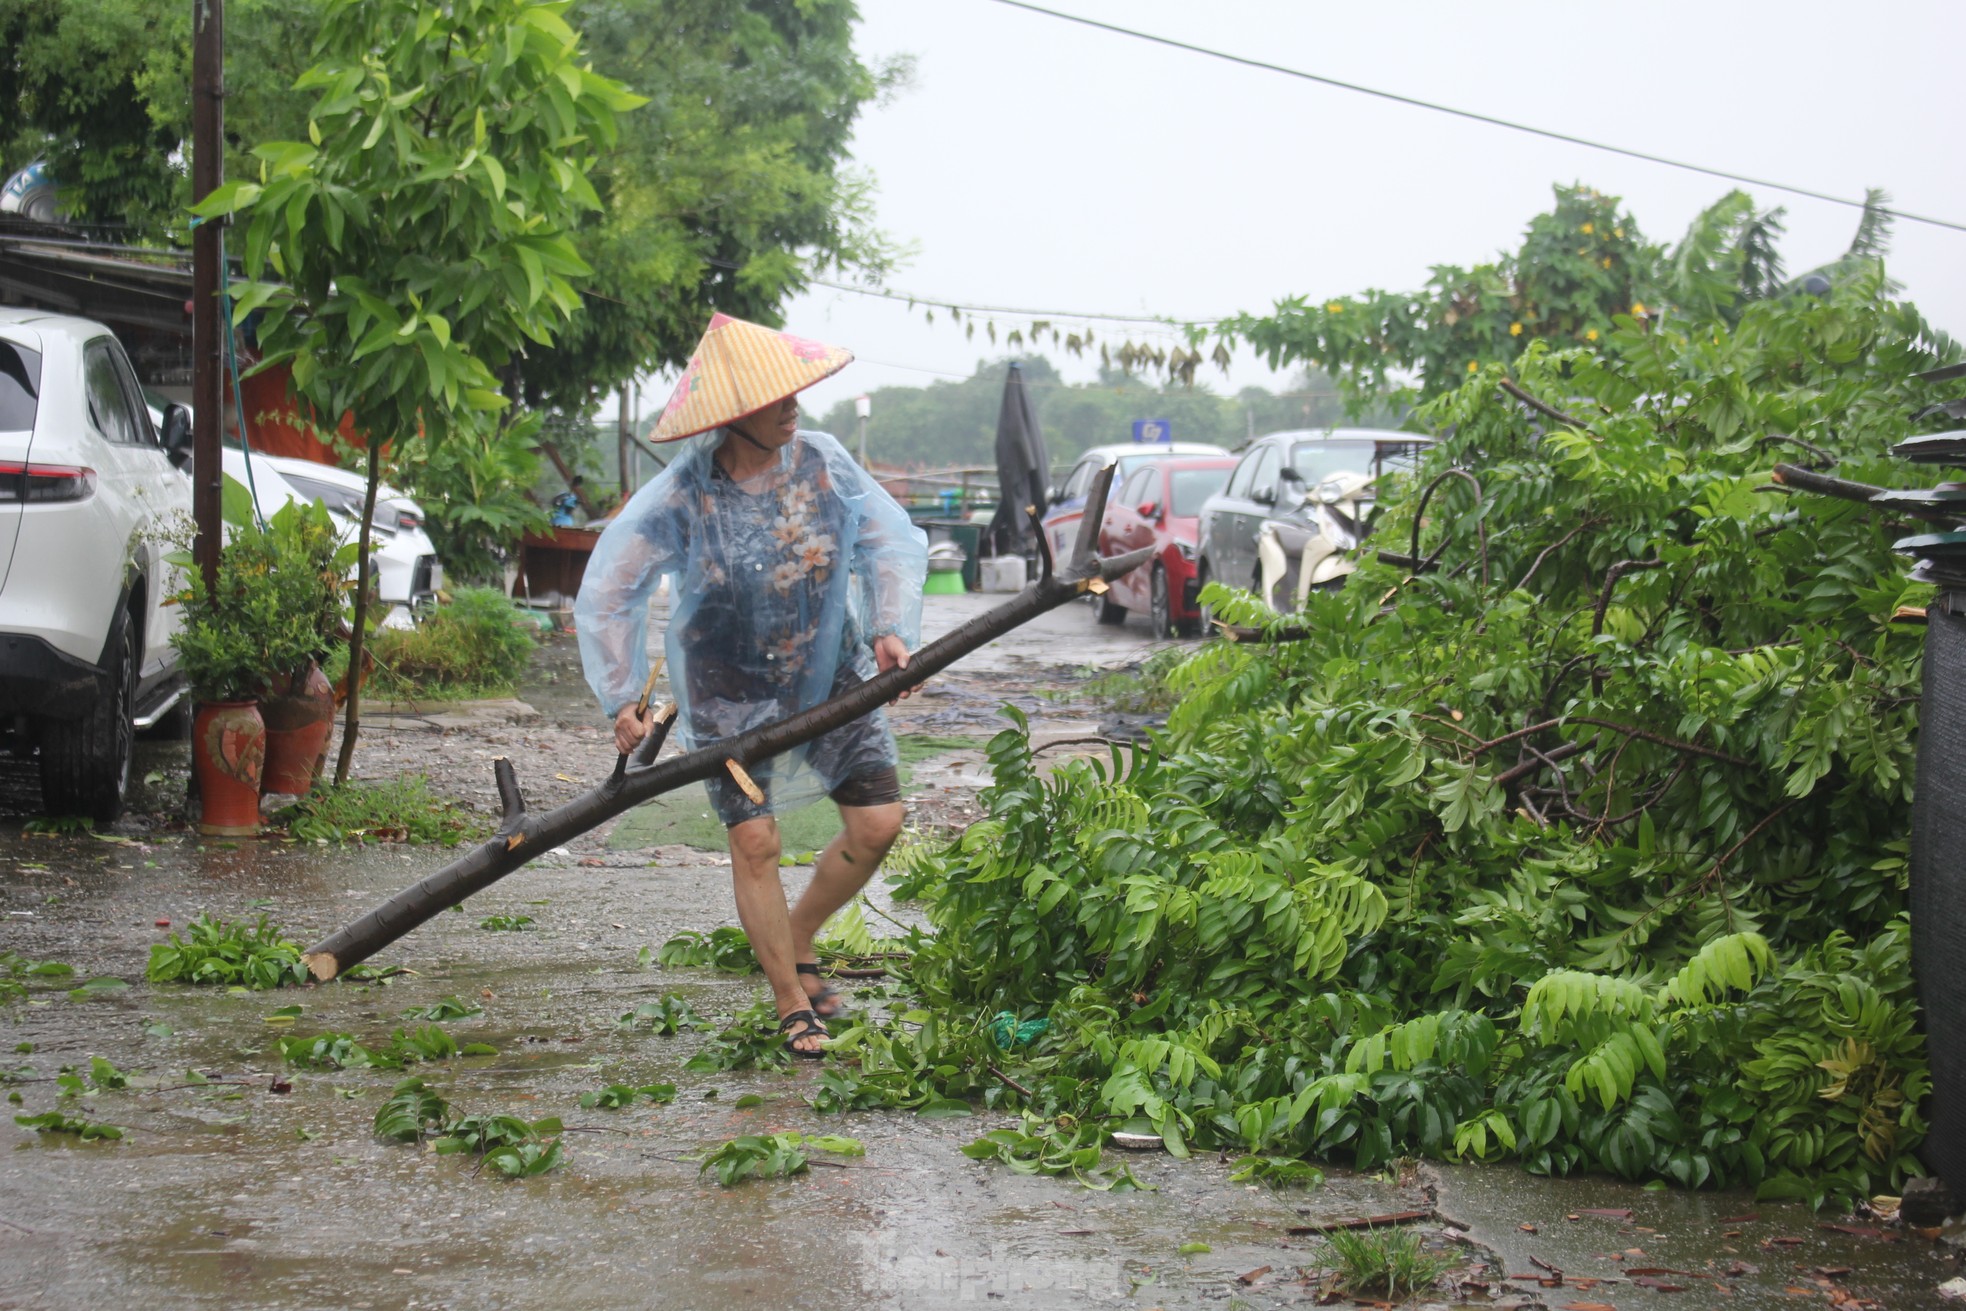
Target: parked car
[
  {"x": 404, "y": 561},
  {"x": 90, "y": 492},
  {"x": 1061, "y": 517},
  {"x": 1159, "y": 505},
  {"x": 406, "y": 571},
  {"x": 1281, "y": 499}
]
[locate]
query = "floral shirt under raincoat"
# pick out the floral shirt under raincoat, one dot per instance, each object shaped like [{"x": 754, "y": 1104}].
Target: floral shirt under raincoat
[{"x": 778, "y": 585}]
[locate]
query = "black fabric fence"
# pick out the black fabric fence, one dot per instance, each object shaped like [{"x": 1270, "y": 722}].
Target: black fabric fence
[{"x": 1938, "y": 882}]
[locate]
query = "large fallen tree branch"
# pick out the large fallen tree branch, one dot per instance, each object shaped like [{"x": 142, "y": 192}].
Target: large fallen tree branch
[{"x": 522, "y": 836}]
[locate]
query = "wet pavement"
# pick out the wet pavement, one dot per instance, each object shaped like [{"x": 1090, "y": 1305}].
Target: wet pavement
[{"x": 236, "y": 1194}]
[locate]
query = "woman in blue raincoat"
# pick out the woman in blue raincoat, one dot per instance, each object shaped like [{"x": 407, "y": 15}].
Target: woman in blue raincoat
[{"x": 792, "y": 577}]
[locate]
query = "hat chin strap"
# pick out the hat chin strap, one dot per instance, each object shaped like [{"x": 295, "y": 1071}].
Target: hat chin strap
[{"x": 731, "y": 427}]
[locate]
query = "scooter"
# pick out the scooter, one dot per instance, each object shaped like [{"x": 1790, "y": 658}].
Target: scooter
[{"x": 1315, "y": 542}]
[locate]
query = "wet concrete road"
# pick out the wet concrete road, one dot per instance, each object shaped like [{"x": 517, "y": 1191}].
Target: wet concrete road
[{"x": 231, "y": 1194}]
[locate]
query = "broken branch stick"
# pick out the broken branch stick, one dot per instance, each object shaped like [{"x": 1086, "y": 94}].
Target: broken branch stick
[
  {"x": 522, "y": 836},
  {"x": 1843, "y": 489}
]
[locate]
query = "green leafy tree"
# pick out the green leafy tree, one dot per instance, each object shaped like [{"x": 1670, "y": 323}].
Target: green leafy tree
[
  {"x": 729, "y": 191},
  {"x": 1580, "y": 266},
  {"x": 419, "y": 233},
  {"x": 1582, "y": 269}
]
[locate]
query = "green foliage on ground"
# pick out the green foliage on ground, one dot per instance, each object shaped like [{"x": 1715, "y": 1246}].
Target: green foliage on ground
[
  {"x": 1053, "y": 1147},
  {"x": 391, "y": 810},
  {"x": 475, "y": 644},
  {"x": 772, "y": 1155},
  {"x": 668, "y": 1015},
  {"x": 1585, "y": 850},
  {"x": 515, "y": 1148},
  {"x": 617, "y": 1096},
  {"x": 342, "y": 1051},
  {"x": 17, "y": 973},
  {"x": 56, "y": 1122},
  {"x": 227, "y": 953}
]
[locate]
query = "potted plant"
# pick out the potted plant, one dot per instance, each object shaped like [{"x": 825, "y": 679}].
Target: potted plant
[
  {"x": 256, "y": 630},
  {"x": 312, "y": 574}
]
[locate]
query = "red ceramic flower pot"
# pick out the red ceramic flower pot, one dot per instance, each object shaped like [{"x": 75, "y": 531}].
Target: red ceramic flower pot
[
  {"x": 228, "y": 754},
  {"x": 299, "y": 717}
]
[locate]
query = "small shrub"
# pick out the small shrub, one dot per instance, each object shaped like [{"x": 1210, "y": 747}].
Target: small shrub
[
  {"x": 476, "y": 644},
  {"x": 399, "y": 810},
  {"x": 1387, "y": 1261},
  {"x": 249, "y": 954}
]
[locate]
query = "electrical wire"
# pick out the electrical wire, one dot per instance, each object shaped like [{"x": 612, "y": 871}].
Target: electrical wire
[
  {"x": 937, "y": 302},
  {"x": 1471, "y": 115}
]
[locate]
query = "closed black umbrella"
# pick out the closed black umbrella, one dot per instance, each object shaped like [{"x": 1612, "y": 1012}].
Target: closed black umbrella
[{"x": 1023, "y": 469}]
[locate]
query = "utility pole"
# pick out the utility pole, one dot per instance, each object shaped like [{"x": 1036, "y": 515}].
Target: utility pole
[
  {"x": 863, "y": 406},
  {"x": 621, "y": 444},
  {"x": 207, "y": 171}
]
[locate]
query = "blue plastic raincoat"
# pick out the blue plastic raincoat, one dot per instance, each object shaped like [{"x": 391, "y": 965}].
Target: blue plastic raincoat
[{"x": 778, "y": 586}]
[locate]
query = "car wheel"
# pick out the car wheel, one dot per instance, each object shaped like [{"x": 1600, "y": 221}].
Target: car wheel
[
  {"x": 1161, "y": 605},
  {"x": 1205, "y": 623},
  {"x": 85, "y": 762},
  {"x": 1110, "y": 611}
]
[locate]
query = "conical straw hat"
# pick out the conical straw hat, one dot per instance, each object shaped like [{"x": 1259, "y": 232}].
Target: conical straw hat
[{"x": 738, "y": 369}]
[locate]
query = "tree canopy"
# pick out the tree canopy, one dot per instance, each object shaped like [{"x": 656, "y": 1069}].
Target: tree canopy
[
  {"x": 727, "y": 191},
  {"x": 1582, "y": 270}
]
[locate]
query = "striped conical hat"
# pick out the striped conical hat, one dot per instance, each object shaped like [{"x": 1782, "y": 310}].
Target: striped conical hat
[{"x": 738, "y": 369}]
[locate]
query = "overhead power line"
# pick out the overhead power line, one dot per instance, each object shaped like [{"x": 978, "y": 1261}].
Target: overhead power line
[
  {"x": 938, "y": 302},
  {"x": 1489, "y": 119}
]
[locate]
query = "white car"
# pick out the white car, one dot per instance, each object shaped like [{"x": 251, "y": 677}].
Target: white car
[
  {"x": 404, "y": 561},
  {"x": 89, "y": 498}
]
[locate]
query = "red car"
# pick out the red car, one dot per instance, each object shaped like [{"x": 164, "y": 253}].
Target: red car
[{"x": 1158, "y": 505}]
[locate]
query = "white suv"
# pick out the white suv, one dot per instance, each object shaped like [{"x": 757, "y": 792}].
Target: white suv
[{"x": 89, "y": 493}]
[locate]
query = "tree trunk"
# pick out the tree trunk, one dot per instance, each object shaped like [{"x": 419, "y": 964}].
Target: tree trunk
[
  {"x": 364, "y": 571},
  {"x": 520, "y": 837}
]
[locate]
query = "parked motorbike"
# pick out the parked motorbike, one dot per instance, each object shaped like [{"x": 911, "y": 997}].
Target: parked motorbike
[{"x": 1313, "y": 539}]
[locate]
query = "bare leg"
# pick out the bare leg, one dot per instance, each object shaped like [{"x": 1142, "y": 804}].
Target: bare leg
[
  {"x": 754, "y": 852},
  {"x": 866, "y": 833}
]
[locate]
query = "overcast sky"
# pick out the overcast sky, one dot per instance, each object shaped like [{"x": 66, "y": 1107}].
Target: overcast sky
[{"x": 1044, "y": 164}]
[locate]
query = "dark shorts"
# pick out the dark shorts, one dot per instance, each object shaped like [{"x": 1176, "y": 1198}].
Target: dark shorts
[{"x": 881, "y": 787}]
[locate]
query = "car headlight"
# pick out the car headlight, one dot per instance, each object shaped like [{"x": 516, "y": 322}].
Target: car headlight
[{"x": 1187, "y": 550}]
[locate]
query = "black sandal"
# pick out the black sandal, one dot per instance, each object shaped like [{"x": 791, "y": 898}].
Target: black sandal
[
  {"x": 813, "y": 1024},
  {"x": 826, "y": 993}
]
